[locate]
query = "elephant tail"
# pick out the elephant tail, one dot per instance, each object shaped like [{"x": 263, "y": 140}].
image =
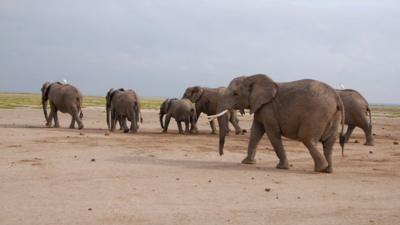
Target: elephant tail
[{"x": 342, "y": 138}]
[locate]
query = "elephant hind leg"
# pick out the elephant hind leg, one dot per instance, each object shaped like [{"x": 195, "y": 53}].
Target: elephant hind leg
[
  {"x": 72, "y": 125},
  {"x": 179, "y": 123},
  {"x": 350, "y": 129},
  {"x": 328, "y": 147},
  {"x": 320, "y": 163},
  {"x": 77, "y": 118},
  {"x": 368, "y": 135},
  {"x": 54, "y": 115},
  {"x": 187, "y": 124}
]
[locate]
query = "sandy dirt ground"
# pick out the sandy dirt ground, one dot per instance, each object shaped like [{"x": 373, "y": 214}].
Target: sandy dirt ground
[{"x": 64, "y": 176}]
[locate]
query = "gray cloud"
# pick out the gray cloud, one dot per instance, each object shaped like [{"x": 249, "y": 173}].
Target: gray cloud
[{"x": 160, "y": 47}]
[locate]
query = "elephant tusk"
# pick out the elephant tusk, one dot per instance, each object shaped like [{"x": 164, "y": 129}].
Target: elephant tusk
[{"x": 213, "y": 117}]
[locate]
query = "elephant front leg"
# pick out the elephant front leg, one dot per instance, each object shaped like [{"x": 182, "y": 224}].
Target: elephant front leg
[
  {"x": 213, "y": 129},
  {"x": 257, "y": 131},
  {"x": 276, "y": 142},
  {"x": 235, "y": 122}
]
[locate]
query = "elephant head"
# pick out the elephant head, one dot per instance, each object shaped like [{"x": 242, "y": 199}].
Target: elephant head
[
  {"x": 109, "y": 97},
  {"x": 250, "y": 92},
  {"x": 193, "y": 93},
  {"x": 45, "y": 96}
]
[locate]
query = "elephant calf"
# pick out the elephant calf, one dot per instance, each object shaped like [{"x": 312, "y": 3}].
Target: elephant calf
[
  {"x": 180, "y": 109},
  {"x": 356, "y": 109},
  {"x": 123, "y": 105},
  {"x": 65, "y": 98},
  {"x": 206, "y": 101}
]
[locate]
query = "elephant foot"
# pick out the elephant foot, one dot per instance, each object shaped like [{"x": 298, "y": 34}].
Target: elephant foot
[
  {"x": 328, "y": 170},
  {"x": 283, "y": 165},
  {"x": 72, "y": 127},
  {"x": 126, "y": 130},
  {"x": 213, "y": 132},
  {"x": 369, "y": 143},
  {"x": 244, "y": 131},
  {"x": 81, "y": 127},
  {"x": 57, "y": 126},
  {"x": 164, "y": 131},
  {"x": 248, "y": 161},
  {"x": 323, "y": 168}
]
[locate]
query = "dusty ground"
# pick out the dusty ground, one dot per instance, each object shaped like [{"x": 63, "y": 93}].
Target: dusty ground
[{"x": 63, "y": 176}]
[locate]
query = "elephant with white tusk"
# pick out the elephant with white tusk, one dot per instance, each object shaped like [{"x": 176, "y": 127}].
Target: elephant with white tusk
[
  {"x": 64, "y": 98},
  {"x": 306, "y": 110},
  {"x": 206, "y": 101}
]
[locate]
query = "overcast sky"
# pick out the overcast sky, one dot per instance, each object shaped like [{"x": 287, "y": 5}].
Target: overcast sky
[{"x": 160, "y": 47}]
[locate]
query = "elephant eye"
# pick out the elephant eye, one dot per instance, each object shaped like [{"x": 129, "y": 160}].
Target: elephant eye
[{"x": 235, "y": 93}]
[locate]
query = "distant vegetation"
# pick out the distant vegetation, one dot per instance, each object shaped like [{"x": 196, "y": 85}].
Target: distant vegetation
[{"x": 13, "y": 100}]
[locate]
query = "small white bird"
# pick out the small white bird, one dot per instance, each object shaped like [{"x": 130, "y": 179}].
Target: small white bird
[
  {"x": 342, "y": 86},
  {"x": 65, "y": 81}
]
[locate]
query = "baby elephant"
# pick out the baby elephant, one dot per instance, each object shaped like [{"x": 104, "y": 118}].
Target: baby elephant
[
  {"x": 65, "y": 98},
  {"x": 356, "y": 109},
  {"x": 121, "y": 105},
  {"x": 180, "y": 109}
]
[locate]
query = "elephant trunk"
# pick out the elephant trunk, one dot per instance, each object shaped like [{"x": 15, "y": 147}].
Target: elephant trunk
[
  {"x": 223, "y": 131},
  {"x": 223, "y": 127}
]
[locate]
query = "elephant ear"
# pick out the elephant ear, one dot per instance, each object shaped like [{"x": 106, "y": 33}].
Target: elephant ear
[
  {"x": 197, "y": 92},
  {"x": 262, "y": 91}
]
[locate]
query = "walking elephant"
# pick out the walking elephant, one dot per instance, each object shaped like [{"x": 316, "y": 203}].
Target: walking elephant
[
  {"x": 306, "y": 110},
  {"x": 182, "y": 110},
  {"x": 206, "y": 101},
  {"x": 64, "y": 98},
  {"x": 356, "y": 111},
  {"x": 122, "y": 105}
]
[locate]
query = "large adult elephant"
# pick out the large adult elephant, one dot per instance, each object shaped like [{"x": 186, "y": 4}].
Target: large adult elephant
[
  {"x": 123, "y": 105},
  {"x": 182, "y": 110},
  {"x": 65, "y": 98},
  {"x": 356, "y": 110},
  {"x": 306, "y": 110},
  {"x": 206, "y": 101}
]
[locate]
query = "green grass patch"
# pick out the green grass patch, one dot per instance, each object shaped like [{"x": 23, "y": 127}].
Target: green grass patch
[
  {"x": 386, "y": 111},
  {"x": 14, "y": 100}
]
